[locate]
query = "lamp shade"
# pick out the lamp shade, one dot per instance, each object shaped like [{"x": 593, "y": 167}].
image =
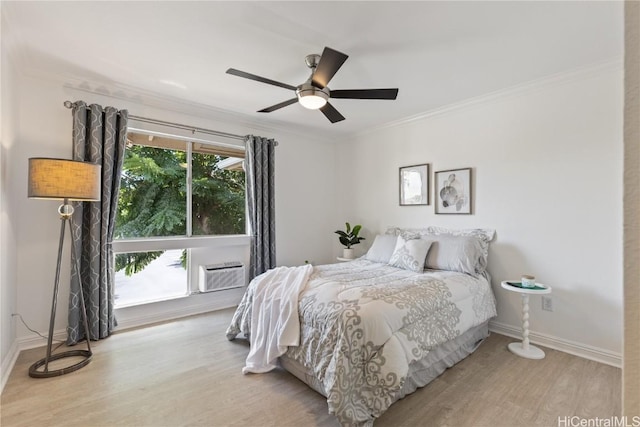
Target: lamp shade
[{"x": 63, "y": 179}]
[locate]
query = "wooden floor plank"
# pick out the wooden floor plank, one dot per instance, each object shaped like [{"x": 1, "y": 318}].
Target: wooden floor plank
[{"x": 185, "y": 373}]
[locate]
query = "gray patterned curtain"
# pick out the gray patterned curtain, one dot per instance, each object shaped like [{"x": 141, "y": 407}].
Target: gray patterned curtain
[
  {"x": 260, "y": 174},
  {"x": 99, "y": 136}
]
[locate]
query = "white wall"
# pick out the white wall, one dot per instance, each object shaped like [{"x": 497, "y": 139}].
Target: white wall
[
  {"x": 547, "y": 163},
  {"x": 304, "y": 195},
  {"x": 8, "y": 286}
]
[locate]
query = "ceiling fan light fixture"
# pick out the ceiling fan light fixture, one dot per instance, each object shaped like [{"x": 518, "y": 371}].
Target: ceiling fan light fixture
[
  {"x": 311, "y": 97},
  {"x": 314, "y": 94},
  {"x": 312, "y": 102}
]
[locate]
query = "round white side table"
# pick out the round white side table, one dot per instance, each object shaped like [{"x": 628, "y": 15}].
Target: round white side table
[
  {"x": 341, "y": 259},
  {"x": 524, "y": 348}
]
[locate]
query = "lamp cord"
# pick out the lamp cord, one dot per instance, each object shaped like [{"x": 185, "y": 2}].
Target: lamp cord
[{"x": 36, "y": 332}]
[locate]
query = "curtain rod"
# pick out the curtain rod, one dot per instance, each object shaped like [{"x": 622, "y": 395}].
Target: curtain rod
[{"x": 193, "y": 129}]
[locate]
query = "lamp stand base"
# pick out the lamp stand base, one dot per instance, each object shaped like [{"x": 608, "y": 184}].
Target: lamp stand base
[
  {"x": 66, "y": 211},
  {"x": 35, "y": 373}
]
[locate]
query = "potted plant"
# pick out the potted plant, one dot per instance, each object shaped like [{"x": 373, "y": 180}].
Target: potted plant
[{"x": 349, "y": 238}]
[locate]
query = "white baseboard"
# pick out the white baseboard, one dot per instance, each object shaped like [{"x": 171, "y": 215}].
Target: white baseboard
[
  {"x": 25, "y": 343},
  {"x": 8, "y": 363},
  {"x": 581, "y": 350}
]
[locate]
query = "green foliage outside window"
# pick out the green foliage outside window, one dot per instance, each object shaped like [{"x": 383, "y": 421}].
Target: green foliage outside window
[
  {"x": 153, "y": 199},
  {"x": 218, "y": 199}
]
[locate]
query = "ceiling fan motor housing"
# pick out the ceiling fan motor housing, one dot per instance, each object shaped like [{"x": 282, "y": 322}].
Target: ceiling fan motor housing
[
  {"x": 312, "y": 60},
  {"x": 309, "y": 95}
]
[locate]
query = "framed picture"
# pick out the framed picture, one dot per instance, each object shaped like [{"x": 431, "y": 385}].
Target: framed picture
[
  {"x": 414, "y": 185},
  {"x": 453, "y": 191}
]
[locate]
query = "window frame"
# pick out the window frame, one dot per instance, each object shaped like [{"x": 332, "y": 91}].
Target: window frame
[
  {"x": 187, "y": 241},
  {"x": 148, "y": 244},
  {"x": 189, "y": 141}
]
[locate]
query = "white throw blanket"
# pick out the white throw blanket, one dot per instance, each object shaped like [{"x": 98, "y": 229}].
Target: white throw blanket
[{"x": 274, "y": 315}]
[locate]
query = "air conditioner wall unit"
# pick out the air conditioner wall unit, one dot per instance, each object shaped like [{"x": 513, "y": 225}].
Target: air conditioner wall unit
[{"x": 217, "y": 277}]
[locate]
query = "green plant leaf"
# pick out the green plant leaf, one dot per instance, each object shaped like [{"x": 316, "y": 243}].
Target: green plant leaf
[
  {"x": 350, "y": 237},
  {"x": 342, "y": 234}
]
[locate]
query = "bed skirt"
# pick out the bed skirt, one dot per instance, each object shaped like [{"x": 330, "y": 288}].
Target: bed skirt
[{"x": 421, "y": 372}]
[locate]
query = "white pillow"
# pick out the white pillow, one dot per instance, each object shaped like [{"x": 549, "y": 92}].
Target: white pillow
[
  {"x": 382, "y": 248},
  {"x": 410, "y": 254},
  {"x": 483, "y": 236},
  {"x": 455, "y": 253}
]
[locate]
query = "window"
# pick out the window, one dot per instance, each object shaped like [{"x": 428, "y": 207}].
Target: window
[
  {"x": 218, "y": 199},
  {"x": 153, "y": 188},
  {"x": 163, "y": 276},
  {"x": 172, "y": 188}
]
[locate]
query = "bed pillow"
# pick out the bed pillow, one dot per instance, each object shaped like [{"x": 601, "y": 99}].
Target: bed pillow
[
  {"x": 410, "y": 254},
  {"x": 382, "y": 248},
  {"x": 483, "y": 235},
  {"x": 407, "y": 233},
  {"x": 455, "y": 253}
]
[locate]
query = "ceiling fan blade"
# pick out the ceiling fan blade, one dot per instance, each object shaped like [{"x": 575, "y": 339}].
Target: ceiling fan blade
[
  {"x": 279, "y": 106},
  {"x": 330, "y": 62},
  {"x": 365, "y": 93},
  {"x": 331, "y": 113},
  {"x": 249, "y": 76}
]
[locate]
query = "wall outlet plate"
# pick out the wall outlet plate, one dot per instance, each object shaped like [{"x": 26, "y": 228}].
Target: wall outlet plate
[{"x": 547, "y": 303}]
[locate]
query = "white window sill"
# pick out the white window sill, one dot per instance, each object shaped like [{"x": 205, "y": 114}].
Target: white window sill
[{"x": 179, "y": 242}]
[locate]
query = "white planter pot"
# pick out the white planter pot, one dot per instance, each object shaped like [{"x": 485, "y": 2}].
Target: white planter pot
[{"x": 348, "y": 253}]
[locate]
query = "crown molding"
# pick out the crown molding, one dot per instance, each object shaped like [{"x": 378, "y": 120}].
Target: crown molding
[
  {"x": 150, "y": 99},
  {"x": 190, "y": 108},
  {"x": 581, "y": 73}
]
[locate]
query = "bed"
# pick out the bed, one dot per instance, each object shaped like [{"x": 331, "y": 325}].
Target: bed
[{"x": 375, "y": 329}]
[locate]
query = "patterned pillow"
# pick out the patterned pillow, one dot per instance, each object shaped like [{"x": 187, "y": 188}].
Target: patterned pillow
[
  {"x": 410, "y": 254},
  {"x": 406, "y": 233}
]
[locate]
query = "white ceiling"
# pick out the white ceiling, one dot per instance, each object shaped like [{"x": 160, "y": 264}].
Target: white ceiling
[{"x": 436, "y": 53}]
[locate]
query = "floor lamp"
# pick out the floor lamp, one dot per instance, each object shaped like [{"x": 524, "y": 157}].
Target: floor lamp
[{"x": 65, "y": 180}]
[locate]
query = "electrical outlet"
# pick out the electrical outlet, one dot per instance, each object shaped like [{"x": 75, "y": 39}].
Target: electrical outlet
[{"x": 547, "y": 303}]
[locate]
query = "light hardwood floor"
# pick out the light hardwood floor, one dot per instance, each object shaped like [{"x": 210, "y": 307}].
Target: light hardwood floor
[{"x": 185, "y": 373}]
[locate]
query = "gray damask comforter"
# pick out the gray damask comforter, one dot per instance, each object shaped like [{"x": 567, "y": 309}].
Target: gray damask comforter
[{"x": 364, "y": 323}]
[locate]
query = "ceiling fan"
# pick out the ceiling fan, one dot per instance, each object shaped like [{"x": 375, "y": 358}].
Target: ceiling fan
[{"x": 314, "y": 93}]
